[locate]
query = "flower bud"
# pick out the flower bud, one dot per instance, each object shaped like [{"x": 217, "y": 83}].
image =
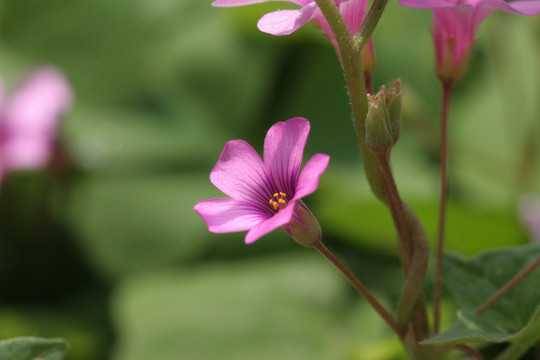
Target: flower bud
[
  {"x": 304, "y": 227},
  {"x": 393, "y": 103},
  {"x": 452, "y": 56},
  {"x": 367, "y": 57},
  {"x": 383, "y": 121}
]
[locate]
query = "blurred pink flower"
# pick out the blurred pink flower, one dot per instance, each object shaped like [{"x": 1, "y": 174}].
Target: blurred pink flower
[
  {"x": 264, "y": 195},
  {"x": 529, "y": 212},
  {"x": 454, "y": 27},
  {"x": 285, "y": 22},
  {"x": 29, "y": 120}
]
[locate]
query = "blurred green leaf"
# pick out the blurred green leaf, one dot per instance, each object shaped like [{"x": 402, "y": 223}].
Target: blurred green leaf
[
  {"x": 514, "y": 317},
  {"x": 288, "y": 307},
  {"x": 119, "y": 141},
  {"x": 32, "y": 348},
  {"x": 357, "y": 217},
  {"x": 494, "y": 122},
  {"x": 133, "y": 224}
]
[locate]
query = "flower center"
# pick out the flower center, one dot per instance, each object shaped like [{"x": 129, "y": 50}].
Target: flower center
[{"x": 278, "y": 201}]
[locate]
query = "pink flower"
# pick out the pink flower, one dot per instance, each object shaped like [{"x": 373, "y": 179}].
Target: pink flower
[
  {"x": 285, "y": 22},
  {"x": 29, "y": 120},
  {"x": 529, "y": 213},
  {"x": 266, "y": 195},
  {"x": 455, "y": 24}
]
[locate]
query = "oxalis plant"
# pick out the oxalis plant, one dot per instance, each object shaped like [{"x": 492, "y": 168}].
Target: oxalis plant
[{"x": 266, "y": 194}]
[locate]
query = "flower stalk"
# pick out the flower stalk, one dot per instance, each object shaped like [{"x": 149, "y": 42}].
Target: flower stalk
[
  {"x": 361, "y": 289},
  {"x": 437, "y": 291}
]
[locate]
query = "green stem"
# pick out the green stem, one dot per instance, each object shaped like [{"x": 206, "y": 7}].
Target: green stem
[
  {"x": 415, "y": 280},
  {"x": 354, "y": 78},
  {"x": 398, "y": 214},
  {"x": 349, "y": 52},
  {"x": 370, "y": 22},
  {"x": 437, "y": 291},
  {"x": 361, "y": 289}
]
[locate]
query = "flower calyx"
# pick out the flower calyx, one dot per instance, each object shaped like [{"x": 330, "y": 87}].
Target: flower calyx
[{"x": 383, "y": 120}]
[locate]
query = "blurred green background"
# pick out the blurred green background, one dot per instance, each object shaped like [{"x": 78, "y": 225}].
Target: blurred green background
[{"x": 103, "y": 247}]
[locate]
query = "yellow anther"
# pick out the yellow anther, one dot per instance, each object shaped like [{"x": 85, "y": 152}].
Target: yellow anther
[{"x": 278, "y": 200}]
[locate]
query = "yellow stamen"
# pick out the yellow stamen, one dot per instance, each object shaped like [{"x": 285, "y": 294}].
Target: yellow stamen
[{"x": 278, "y": 200}]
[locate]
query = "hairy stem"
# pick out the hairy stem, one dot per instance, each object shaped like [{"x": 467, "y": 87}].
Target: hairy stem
[
  {"x": 349, "y": 53},
  {"x": 437, "y": 291},
  {"x": 370, "y": 22},
  {"x": 361, "y": 289}
]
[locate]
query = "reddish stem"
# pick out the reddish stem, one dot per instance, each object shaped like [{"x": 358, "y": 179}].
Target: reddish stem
[
  {"x": 447, "y": 90},
  {"x": 361, "y": 289},
  {"x": 475, "y": 353},
  {"x": 508, "y": 286}
]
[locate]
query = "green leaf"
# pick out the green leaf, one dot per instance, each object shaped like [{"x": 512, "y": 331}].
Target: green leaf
[
  {"x": 128, "y": 224},
  {"x": 515, "y": 317},
  {"x": 286, "y": 307},
  {"x": 33, "y": 348}
]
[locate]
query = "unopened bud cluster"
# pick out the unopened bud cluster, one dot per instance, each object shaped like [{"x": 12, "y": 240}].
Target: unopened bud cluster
[{"x": 383, "y": 121}]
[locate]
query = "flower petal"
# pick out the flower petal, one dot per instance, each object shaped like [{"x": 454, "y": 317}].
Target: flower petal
[
  {"x": 483, "y": 8},
  {"x": 428, "y": 4},
  {"x": 281, "y": 218},
  {"x": 285, "y": 22},
  {"x": 308, "y": 181},
  {"x": 37, "y": 105},
  {"x": 27, "y": 151},
  {"x": 529, "y": 213},
  {"x": 227, "y": 215},
  {"x": 283, "y": 151},
  {"x": 240, "y": 173},
  {"x": 525, "y": 7},
  {"x": 353, "y": 12},
  {"x": 2, "y": 93}
]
